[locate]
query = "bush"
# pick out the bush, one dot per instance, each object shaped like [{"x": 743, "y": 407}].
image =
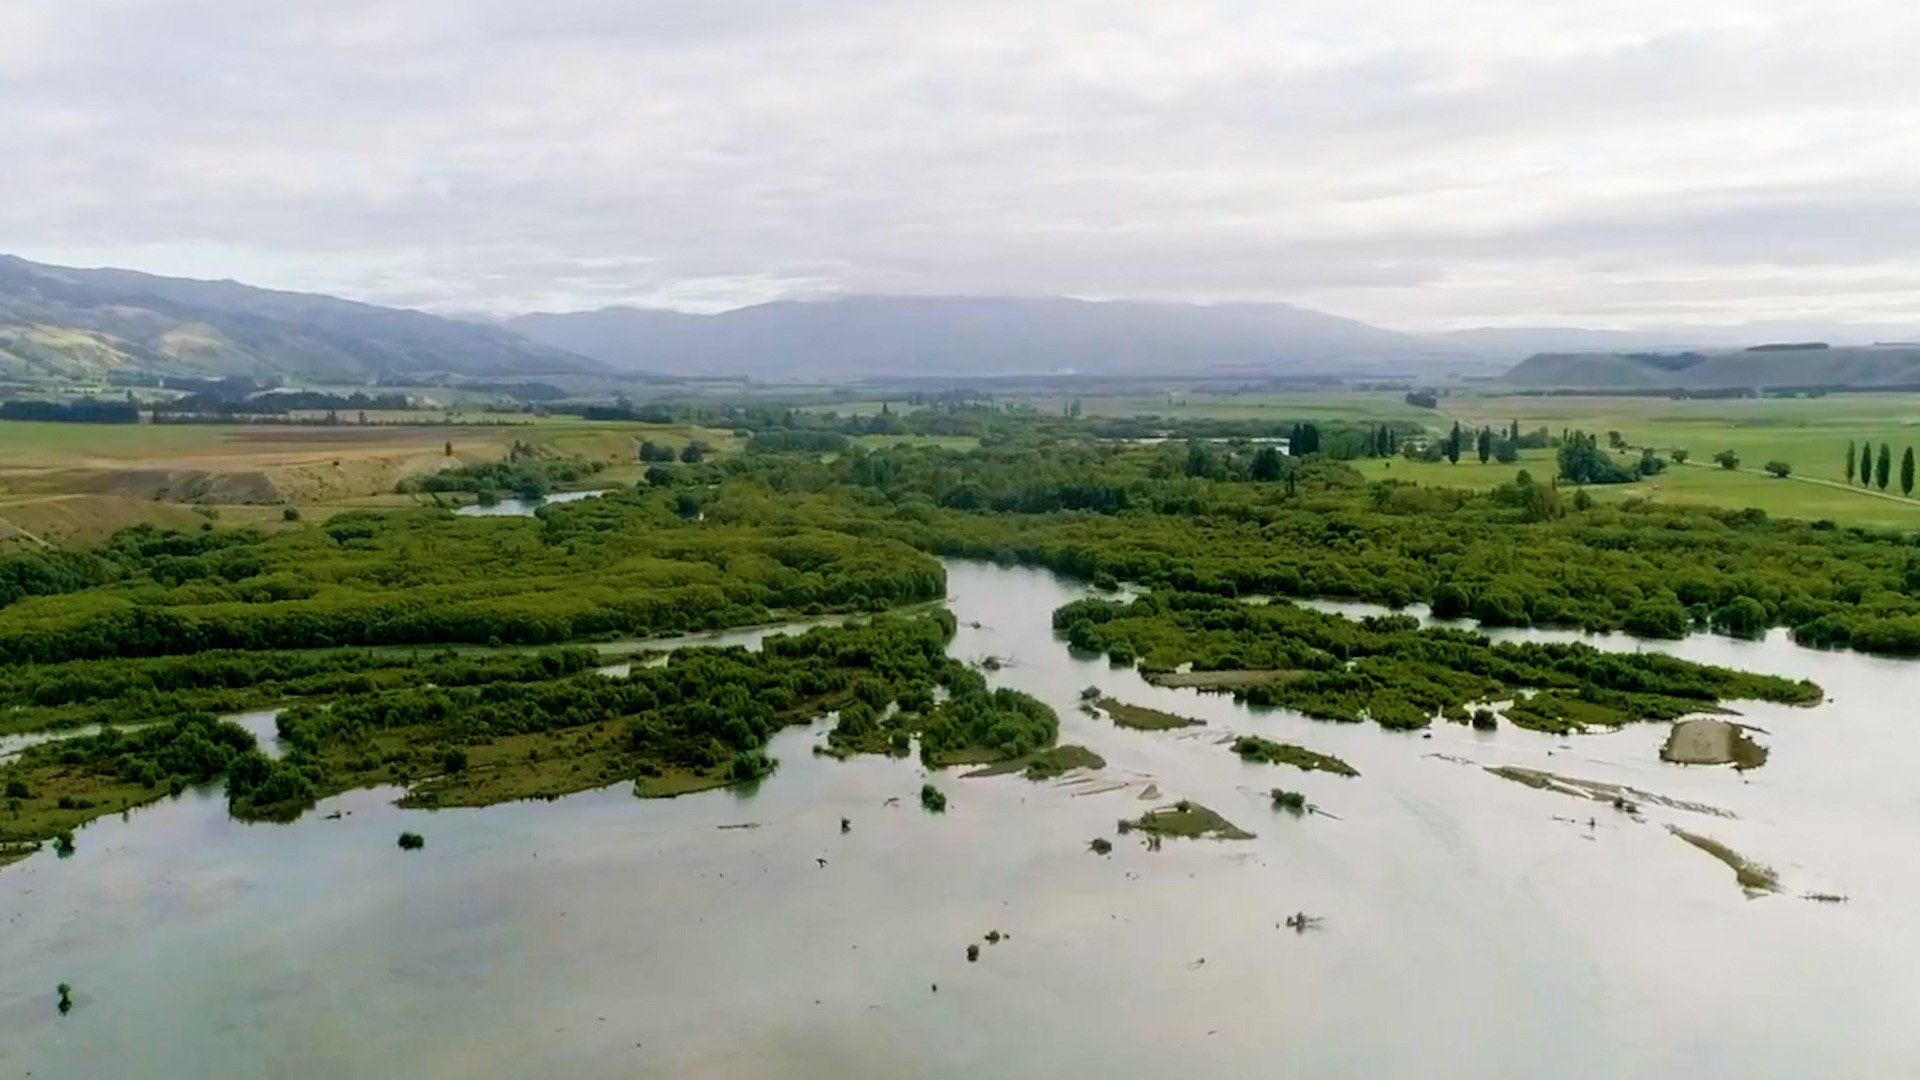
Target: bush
[
  {"x": 454, "y": 760},
  {"x": 412, "y": 841},
  {"x": 931, "y": 800},
  {"x": 18, "y": 789},
  {"x": 1727, "y": 459},
  {"x": 1779, "y": 469},
  {"x": 291, "y": 513}
]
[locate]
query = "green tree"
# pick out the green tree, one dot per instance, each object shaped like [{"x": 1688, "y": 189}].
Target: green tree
[
  {"x": 1484, "y": 444},
  {"x": 1267, "y": 465},
  {"x": 1728, "y": 459},
  {"x": 1453, "y": 445},
  {"x": 1850, "y": 452},
  {"x": 1883, "y": 467},
  {"x": 1779, "y": 468},
  {"x": 1906, "y": 472},
  {"x": 1866, "y": 463}
]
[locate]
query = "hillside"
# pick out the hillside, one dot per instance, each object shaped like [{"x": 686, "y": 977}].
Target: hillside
[
  {"x": 865, "y": 335},
  {"x": 86, "y": 325},
  {"x": 1862, "y": 366}
]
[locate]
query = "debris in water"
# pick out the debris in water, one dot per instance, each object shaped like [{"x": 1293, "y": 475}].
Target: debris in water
[
  {"x": 846, "y": 826},
  {"x": 973, "y": 953},
  {"x": 1101, "y": 845}
]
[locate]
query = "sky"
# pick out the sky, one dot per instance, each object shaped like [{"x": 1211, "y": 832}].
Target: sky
[{"x": 1415, "y": 164}]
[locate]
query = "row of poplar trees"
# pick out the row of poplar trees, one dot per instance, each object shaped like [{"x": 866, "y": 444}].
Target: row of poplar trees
[{"x": 1876, "y": 470}]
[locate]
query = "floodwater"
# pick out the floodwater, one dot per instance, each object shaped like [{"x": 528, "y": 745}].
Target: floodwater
[
  {"x": 1473, "y": 926},
  {"x": 524, "y": 507}
]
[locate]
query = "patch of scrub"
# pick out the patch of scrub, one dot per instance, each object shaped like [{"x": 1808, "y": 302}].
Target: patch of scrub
[
  {"x": 1621, "y": 796},
  {"x": 1044, "y": 764},
  {"x": 1752, "y": 876},
  {"x": 1707, "y": 741},
  {"x": 1218, "y": 680},
  {"x": 1186, "y": 819},
  {"x": 1141, "y": 718},
  {"x": 1255, "y": 748}
]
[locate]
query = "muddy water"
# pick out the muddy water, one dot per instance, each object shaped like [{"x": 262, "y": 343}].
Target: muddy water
[{"x": 1473, "y": 926}]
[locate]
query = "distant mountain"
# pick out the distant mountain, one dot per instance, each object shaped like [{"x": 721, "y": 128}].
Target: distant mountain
[
  {"x": 1518, "y": 342},
  {"x": 87, "y": 324},
  {"x": 976, "y": 336},
  {"x": 1784, "y": 365}
]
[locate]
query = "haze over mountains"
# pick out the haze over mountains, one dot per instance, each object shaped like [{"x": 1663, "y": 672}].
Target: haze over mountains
[
  {"x": 934, "y": 336},
  {"x": 1778, "y": 366},
  {"x": 88, "y": 325}
]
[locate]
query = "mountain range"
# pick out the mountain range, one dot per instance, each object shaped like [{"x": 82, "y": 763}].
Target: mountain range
[
  {"x": 1785, "y": 365},
  {"x": 982, "y": 336},
  {"x": 87, "y": 325},
  {"x": 90, "y": 324}
]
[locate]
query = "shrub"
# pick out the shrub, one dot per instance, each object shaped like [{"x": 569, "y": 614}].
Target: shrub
[
  {"x": 1779, "y": 469},
  {"x": 412, "y": 841},
  {"x": 1727, "y": 459},
  {"x": 931, "y": 800}
]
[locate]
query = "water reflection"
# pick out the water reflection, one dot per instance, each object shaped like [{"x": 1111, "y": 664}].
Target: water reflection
[
  {"x": 1474, "y": 926},
  {"x": 524, "y": 507}
]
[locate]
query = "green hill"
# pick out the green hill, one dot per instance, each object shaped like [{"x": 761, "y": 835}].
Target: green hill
[{"x": 1792, "y": 365}]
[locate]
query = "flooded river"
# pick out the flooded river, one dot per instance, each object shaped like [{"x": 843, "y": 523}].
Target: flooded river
[{"x": 1473, "y": 926}]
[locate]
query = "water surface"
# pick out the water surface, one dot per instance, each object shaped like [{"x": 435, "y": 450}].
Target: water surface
[{"x": 1474, "y": 927}]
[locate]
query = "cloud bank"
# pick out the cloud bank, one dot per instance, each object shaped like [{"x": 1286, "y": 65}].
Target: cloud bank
[{"x": 1417, "y": 165}]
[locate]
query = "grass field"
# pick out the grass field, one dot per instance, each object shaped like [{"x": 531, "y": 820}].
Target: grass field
[
  {"x": 1809, "y": 434},
  {"x": 83, "y": 481}
]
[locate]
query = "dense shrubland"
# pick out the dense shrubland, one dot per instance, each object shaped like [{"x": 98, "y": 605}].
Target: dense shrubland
[
  {"x": 630, "y": 565},
  {"x": 169, "y": 627},
  {"x": 458, "y": 729},
  {"x": 1391, "y": 670}
]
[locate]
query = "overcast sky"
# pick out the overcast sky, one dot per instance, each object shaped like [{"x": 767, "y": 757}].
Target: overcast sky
[{"x": 1413, "y": 163}]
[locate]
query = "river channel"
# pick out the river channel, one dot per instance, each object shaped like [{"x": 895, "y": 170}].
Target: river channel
[{"x": 1472, "y": 926}]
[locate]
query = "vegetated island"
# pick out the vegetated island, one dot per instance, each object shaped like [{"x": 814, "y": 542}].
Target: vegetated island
[
  {"x": 1185, "y": 819},
  {"x": 1711, "y": 741},
  {"x": 1142, "y": 718},
  {"x": 1393, "y": 671},
  {"x": 1256, "y": 749}
]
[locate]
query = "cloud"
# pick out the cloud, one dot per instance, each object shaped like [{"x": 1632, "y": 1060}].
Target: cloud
[{"x": 1413, "y": 164}]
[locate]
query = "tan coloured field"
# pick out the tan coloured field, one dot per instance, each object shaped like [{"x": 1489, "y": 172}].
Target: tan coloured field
[{"x": 83, "y": 481}]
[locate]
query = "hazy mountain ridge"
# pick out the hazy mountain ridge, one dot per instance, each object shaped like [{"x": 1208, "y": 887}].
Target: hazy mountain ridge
[
  {"x": 933, "y": 336},
  {"x": 1721, "y": 369},
  {"x": 60, "y": 321}
]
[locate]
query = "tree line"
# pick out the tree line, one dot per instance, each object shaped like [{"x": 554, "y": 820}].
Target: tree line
[{"x": 1876, "y": 470}]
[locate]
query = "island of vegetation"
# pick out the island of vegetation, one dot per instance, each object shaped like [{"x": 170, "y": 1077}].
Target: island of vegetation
[
  {"x": 1254, "y": 748},
  {"x": 1186, "y": 819}
]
